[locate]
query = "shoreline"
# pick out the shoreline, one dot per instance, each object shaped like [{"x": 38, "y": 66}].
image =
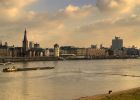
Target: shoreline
[
  {"x": 130, "y": 94},
  {"x": 28, "y": 59}
]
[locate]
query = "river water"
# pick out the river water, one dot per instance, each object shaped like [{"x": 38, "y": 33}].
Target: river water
[{"x": 69, "y": 80}]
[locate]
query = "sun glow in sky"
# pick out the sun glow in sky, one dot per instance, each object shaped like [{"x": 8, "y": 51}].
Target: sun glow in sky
[{"x": 70, "y": 22}]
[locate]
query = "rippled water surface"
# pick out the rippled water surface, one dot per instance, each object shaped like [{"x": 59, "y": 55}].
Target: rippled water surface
[{"x": 69, "y": 79}]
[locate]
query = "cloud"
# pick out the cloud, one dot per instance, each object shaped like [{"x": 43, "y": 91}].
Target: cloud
[
  {"x": 105, "y": 29},
  {"x": 111, "y": 23},
  {"x": 73, "y": 11},
  {"x": 17, "y": 3},
  {"x": 13, "y": 8},
  {"x": 121, "y": 6},
  {"x": 72, "y": 25}
]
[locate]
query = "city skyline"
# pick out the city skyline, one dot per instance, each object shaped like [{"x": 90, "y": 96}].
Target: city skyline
[
  {"x": 28, "y": 43},
  {"x": 70, "y": 22}
]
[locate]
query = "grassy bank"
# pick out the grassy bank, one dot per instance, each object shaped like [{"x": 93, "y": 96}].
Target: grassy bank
[{"x": 132, "y": 94}]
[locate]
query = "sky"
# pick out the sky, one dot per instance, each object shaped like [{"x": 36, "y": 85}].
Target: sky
[{"x": 70, "y": 22}]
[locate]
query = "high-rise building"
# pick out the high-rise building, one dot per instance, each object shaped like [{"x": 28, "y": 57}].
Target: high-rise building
[
  {"x": 25, "y": 44},
  {"x": 117, "y": 43}
]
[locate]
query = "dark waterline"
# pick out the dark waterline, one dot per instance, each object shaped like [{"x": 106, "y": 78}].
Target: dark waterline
[{"x": 69, "y": 79}]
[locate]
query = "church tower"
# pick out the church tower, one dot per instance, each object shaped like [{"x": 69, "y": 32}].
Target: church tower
[{"x": 25, "y": 44}]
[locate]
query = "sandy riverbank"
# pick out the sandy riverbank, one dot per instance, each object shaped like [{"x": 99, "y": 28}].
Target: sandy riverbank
[{"x": 131, "y": 94}]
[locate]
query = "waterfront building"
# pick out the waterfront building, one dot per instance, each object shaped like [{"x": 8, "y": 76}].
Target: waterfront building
[
  {"x": 36, "y": 52},
  {"x": 12, "y": 51},
  {"x": 95, "y": 53},
  {"x": 117, "y": 43},
  {"x": 56, "y": 50},
  {"x": 133, "y": 51},
  {"x": 46, "y": 52},
  {"x": 51, "y": 52},
  {"x": 94, "y": 46},
  {"x": 81, "y": 52},
  {"x": 18, "y": 51},
  {"x": 110, "y": 52},
  {"x": 15, "y": 51},
  {"x": 4, "y": 51},
  {"x": 120, "y": 53},
  {"x": 70, "y": 50}
]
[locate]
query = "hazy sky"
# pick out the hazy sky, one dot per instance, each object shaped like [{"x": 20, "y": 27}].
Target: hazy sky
[{"x": 70, "y": 22}]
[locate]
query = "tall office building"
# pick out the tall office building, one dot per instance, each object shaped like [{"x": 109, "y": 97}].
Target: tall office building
[{"x": 117, "y": 43}]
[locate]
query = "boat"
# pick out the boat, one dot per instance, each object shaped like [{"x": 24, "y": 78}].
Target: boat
[{"x": 13, "y": 69}]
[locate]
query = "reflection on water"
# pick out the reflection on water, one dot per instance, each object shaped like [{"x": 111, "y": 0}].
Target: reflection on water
[{"x": 69, "y": 79}]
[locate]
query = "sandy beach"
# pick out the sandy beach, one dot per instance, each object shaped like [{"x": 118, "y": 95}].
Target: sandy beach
[{"x": 131, "y": 94}]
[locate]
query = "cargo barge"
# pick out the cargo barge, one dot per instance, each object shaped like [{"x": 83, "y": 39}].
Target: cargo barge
[{"x": 13, "y": 69}]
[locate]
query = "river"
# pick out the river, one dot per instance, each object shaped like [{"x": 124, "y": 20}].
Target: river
[{"x": 69, "y": 80}]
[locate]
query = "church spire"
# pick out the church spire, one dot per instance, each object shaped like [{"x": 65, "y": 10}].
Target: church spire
[
  {"x": 25, "y": 35},
  {"x": 25, "y": 44}
]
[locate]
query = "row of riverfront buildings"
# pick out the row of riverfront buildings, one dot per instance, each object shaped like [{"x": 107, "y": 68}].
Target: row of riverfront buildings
[
  {"x": 31, "y": 49},
  {"x": 28, "y": 49}
]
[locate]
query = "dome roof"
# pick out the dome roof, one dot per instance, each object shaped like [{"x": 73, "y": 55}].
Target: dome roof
[{"x": 56, "y": 45}]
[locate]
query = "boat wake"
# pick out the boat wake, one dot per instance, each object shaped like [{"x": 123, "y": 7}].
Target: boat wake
[{"x": 114, "y": 74}]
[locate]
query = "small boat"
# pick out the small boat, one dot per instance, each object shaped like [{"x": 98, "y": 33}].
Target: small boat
[{"x": 13, "y": 69}]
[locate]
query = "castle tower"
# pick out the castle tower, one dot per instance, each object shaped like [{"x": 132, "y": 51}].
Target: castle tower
[
  {"x": 25, "y": 44},
  {"x": 56, "y": 50}
]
